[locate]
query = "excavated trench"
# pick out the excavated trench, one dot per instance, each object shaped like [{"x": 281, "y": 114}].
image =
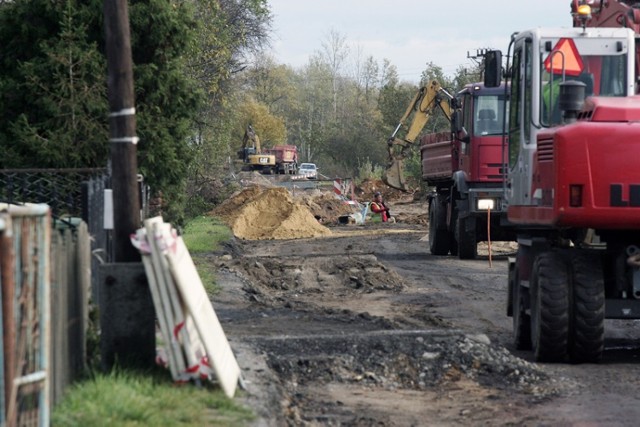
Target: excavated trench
[{"x": 329, "y": 331}]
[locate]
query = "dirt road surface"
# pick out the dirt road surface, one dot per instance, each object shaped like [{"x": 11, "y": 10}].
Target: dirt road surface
[{"x": 362, "y": 326}]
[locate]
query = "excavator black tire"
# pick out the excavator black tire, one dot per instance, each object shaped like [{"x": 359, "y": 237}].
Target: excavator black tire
[
  {"x": 439, "y": 236},
  {"x": 587, "y": 336},
  {"x": 521, "y": 319},
  {"x": 550, "y": 307}
]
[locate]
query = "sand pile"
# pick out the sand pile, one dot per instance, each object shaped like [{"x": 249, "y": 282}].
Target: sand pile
[{"x": 258, "y": 213}]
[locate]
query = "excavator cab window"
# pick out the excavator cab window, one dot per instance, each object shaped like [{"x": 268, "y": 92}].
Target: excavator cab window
[
  {"x": 520, "y": 97},
  {"x": 601, "y": 66}
]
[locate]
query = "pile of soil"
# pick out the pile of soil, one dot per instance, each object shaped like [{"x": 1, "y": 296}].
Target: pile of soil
[
  {"x": 259, "y": 213},
  {"x": 369, "y": 187},
  {"x": 326, "y": 207},
  {"x": 253, "y": 178}
]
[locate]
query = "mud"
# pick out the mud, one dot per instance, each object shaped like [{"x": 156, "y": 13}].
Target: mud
[{"x": 362, "y": 326}]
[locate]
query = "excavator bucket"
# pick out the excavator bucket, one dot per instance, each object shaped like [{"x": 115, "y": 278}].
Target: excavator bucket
[{"x": 393, "y": 176}]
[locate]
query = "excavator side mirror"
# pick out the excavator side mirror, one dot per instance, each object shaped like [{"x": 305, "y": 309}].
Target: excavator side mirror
[{"x": 492, "y": 68}]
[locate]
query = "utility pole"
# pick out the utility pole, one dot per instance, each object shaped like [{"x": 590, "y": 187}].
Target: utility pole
[
  {"x": 122, "y": 131},
  {"x": 127, "y": 315}
]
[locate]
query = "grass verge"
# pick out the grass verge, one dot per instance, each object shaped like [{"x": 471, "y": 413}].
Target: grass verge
[
  {"x": 124, "y": 398},
  {"x": 136, "y": 399},
  {"x": 203, "y": 235}
]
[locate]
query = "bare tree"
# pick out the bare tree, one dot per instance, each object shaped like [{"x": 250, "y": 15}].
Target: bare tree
[{"x": 334, "y": 53}]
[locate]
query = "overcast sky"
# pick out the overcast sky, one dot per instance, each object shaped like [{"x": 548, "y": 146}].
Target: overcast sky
[{"x": 409, "y": 33}]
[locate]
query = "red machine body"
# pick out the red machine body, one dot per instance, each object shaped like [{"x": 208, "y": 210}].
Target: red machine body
[
  {"x": 286, "y": 158},
  {"x": 597, "y": 159},
  {"x": 465, "y": 167},
  {"x": 573, "y": 182}
]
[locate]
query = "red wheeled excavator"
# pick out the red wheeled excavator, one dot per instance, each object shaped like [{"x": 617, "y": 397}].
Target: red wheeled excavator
[{"x": 573, "y": 181}]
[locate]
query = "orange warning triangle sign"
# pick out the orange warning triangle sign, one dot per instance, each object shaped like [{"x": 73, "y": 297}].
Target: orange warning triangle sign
[{"x": 564, "y": 54}]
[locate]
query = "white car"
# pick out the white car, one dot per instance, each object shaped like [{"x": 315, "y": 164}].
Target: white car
[{"x": 308, "y": 170}]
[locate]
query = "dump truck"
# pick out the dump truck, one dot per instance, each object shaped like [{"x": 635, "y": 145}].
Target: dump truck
[
  {"x": 286, "y": 159},
  {"x": 465, "y": 169},
  {"x": 572, "y": 185},
  {"x": 463, "y": 166}
]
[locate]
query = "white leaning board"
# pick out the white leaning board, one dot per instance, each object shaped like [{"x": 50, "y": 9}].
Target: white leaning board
[
  {"x": 167, "y": 298},
  {"x": 162, "y": 319},
  {"x": 184, "y": 335},
  {"x": 197, "y": 303},
  {"x": 156, "y": 284}
]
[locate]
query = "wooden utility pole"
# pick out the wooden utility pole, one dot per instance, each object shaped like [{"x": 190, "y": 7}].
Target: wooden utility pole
[
  {"x": 127, "y": 315},
  {"x": 122, "y": 131}
]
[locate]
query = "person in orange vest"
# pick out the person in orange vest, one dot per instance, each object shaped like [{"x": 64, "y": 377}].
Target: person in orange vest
[{"x": 379, "y": 206}]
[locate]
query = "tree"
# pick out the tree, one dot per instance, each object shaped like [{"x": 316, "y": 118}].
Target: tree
[
  {"x": 167, "y": 98},
  {"x": 312, "y": 119},
  {"x": 394, "y": 97},
  {"x": 269, "y": 128},
  {"x": 53, "y": 105},
  {"x": 270, "y": 83},
  {"x": 438, "y": 121},
  {"x": 465, "y": 75},
  {"x": 333, "y": 54},
  {"x": 229, "y": 34}
]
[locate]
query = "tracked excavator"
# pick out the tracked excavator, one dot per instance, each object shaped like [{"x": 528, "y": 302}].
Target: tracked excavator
[{"x": 251, "y": 154}]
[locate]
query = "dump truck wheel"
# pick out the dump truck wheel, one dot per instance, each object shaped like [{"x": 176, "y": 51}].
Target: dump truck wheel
[
  {"x": 467, "y": 244},
  {"x": 550, "y": 307},
  {"x": 453, "y": 238},
  {"x": 587, "y": 336},
  {"x": 439, "y": 238}
]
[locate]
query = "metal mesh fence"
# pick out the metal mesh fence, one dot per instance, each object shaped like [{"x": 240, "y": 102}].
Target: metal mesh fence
[
  {"x": 69, "y": 193},
  {"x": 59, "y": 188}
]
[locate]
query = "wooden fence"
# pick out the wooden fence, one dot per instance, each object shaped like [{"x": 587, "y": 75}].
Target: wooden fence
[{"x": 45, "y": 274}]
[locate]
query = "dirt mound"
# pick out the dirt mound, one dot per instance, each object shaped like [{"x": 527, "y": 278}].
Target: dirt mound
[
  {"x": 368, "y": 187},
  {"x": 259, "y": 213},
  {"x": 252, "y": 178},
  {"x": 327, "y": 207}
]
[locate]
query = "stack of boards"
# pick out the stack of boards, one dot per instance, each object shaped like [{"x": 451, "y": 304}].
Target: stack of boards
[{"x": 195, "y": 345}]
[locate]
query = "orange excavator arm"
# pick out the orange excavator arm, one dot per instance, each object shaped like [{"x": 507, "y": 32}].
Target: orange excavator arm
[{"x": 424, "y": 103}]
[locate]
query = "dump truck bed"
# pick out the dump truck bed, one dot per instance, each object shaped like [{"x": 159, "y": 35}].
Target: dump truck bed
[{"x": 437, "y": 160}]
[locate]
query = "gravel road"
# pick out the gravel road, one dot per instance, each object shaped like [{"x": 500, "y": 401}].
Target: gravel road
[{"x": 366, "y": 328}]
